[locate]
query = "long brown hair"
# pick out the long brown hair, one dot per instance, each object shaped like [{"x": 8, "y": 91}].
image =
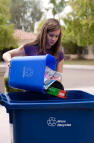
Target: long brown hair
[{"x": 50, "y": 25}]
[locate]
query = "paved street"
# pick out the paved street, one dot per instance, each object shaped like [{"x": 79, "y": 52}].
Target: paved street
[{"x": 81, "y": 78}]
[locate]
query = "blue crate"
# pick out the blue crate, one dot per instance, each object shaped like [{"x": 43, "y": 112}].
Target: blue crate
[
  {"x": 28, "y": 72},
  {"x": 42, "y": 118}
]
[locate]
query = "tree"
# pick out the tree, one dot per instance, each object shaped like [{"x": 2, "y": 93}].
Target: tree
[
  {"x": 24, "y": 13},
  {"x": 79, "y": 24},
  {"x": 6, "y": 29},
  {"x": 58, "y": 6}
]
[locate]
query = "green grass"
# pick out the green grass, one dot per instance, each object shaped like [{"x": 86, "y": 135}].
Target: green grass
[
  {"x": 9, "y": 89},
  {"x": 79, "y": 62}
]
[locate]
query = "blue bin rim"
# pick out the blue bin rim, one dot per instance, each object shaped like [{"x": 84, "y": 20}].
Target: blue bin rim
[{"x": 49, "y": 101}]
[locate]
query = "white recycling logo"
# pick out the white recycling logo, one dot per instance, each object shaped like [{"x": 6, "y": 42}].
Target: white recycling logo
[
  {"x": 51, "y": 121},
  {"x": 27, "y": 72}
]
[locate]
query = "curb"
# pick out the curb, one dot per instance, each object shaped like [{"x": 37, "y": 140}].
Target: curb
[
  {"x": 84, "y": 67},
  {"x": 78, "y": 67}
]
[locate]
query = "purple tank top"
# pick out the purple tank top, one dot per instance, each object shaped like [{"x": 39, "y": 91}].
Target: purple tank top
[{"x": 32, "y": 51}]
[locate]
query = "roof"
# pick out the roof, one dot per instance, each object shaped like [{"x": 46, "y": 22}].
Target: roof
[{"x": 22, "y": 35}]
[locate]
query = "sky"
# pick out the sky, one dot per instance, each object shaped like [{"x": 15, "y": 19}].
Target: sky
[{"x": 49, "y": 14}]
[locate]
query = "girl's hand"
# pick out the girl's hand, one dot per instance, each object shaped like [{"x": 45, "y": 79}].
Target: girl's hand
[{"x": 8, "y": 64}]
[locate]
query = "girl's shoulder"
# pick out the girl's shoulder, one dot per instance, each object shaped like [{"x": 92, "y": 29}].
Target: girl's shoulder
[
  {"x": 30, "y": 46},
  {"x": 30, "y": 49}
]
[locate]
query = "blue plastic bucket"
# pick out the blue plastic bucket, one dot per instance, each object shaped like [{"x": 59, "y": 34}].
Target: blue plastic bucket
[{"x": 28, "y": 72}]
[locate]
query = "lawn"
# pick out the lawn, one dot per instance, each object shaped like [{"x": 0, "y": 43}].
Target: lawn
[{"x": 79, "y": 62}]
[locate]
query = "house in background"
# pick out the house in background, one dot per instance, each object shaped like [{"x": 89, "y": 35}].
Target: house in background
[
  {"x": 23, "y": 37},
  {"x": 88, "y": 53}
]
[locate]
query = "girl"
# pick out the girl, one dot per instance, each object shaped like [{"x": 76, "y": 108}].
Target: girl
[{"x": 48, "y": 41}]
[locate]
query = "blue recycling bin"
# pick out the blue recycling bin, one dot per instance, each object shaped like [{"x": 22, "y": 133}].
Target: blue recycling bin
[
  {"x": 27, "y": 72},
  {"x": 42, "y": 118}
]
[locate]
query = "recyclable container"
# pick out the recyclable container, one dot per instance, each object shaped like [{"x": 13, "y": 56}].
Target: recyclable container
[
  {"x": 42, "y": 118},
  {"x": 27, "y": 72}
]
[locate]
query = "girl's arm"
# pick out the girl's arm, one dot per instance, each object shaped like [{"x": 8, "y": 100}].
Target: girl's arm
[
  {"x": 60, "y": 66},
  {"x": 12, "y": 53}
]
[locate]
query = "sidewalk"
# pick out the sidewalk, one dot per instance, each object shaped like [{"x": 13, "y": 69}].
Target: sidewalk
[{"x": 5, "y": 134}]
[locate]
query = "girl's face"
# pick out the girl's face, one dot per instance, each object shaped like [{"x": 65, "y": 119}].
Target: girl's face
[{"x": 52, "y": 38}]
